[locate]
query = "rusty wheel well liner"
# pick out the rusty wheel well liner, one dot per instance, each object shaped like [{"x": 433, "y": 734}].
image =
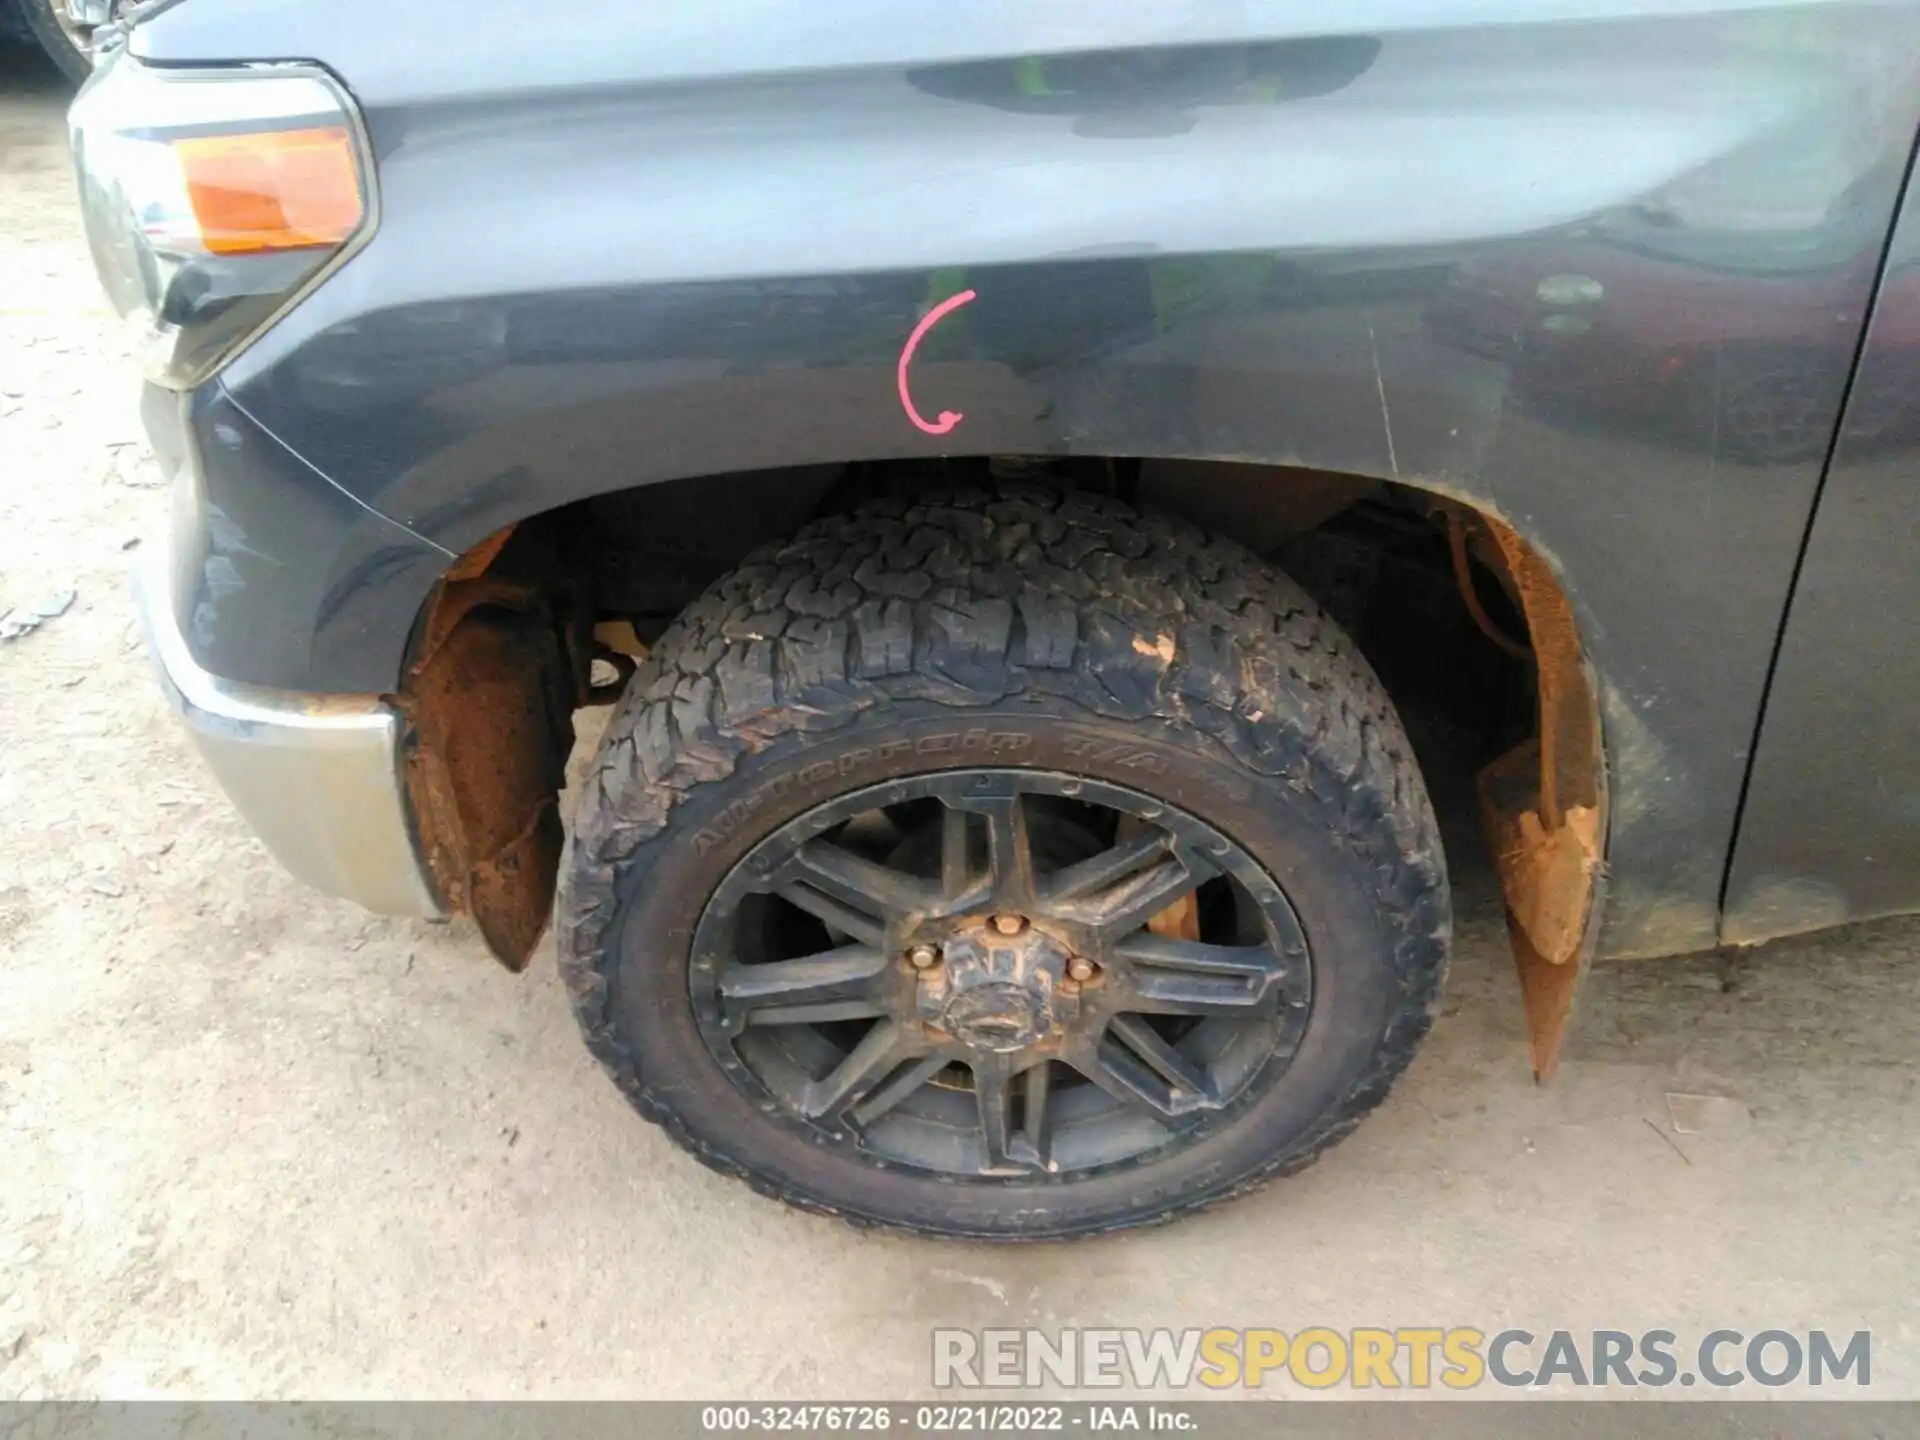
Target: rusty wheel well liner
[
  {"x": 1543, "y": 803},
  {"x": 499, "y": 665}
]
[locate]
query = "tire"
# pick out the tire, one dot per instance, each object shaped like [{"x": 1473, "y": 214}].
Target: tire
[
  {"x": 1059, "y": 642},
  {"x": 66, "y": 49}
]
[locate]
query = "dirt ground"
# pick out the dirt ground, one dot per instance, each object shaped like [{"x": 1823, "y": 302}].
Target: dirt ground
[{"x": 256, "y": 1143}]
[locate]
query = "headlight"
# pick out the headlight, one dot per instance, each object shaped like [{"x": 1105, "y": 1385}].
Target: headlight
[{"x": 212, "y": 198}]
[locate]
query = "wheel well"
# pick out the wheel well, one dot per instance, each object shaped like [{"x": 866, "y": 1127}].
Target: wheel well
[{"x": 1466, "y": 623}]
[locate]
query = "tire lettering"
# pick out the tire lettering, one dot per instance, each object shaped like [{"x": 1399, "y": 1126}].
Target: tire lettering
[
  {"x": 730, "y": 821},
  {"x": 1124, "y": 757}
]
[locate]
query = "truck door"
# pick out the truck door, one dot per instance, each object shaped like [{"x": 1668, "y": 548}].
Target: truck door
[{"x": 1830, "y": 831}]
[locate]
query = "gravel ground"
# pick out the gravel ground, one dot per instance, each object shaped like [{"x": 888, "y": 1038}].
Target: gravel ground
[{"x": 256, "y": 1143}]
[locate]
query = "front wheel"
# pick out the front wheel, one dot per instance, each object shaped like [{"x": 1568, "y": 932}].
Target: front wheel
[
  {"x": 59, "y": 37},
  {"x": 1012, "y": 867}
]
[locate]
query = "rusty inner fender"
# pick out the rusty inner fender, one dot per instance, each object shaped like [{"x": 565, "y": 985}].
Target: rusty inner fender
[
  {"x": 1543, "y": 805},
  {"x": 488, "y": 703}
]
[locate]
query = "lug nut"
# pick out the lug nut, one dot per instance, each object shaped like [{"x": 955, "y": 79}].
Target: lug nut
[
  {"x": 1081, "y": 968},
  {"x": 922, "y": 957},
  {"x": 1009, "y": 924}
]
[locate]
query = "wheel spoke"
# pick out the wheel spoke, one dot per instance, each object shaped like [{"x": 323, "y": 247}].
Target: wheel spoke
[
  {"x": 1123, "y": 1075},
  {"x": 961, "y": 887},
  {"x": 1009, "y": 854},
  {"x": 1090, "y": 876},
  {"x": 1122, "y": 908},
  {"x": 991, "y": 1091},
  {"x": 843, "y": 919},
  {"x": 956, "y": 859},
  {"x": 1010, "y": 1151},
  {"x": 1161, "y": 976},
  {"x": 909, "y": 1079},
  {"x": 847, "y": 894},
  {"x": 857, "y": 1082},
  {"x": 1166, "y": 1062},
  {"x": 855, "y": 889},
  {"x": 1138, "y": 1068},
  {"x": 1034, "y": 1144},
  {"x": 837, "y": 985}
]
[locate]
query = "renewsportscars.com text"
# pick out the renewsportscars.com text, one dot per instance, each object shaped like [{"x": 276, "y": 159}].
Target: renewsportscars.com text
[{"x": 1460, "y": 1357}]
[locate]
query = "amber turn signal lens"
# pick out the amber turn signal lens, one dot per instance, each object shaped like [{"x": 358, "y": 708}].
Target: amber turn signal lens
[{"x": 272, "y": 189}]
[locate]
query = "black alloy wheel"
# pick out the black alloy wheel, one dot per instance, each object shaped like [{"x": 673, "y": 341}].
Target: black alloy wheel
[{"x": 997, "y": 973}]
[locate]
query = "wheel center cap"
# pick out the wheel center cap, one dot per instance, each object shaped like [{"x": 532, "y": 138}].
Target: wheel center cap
[
  {"x": 998, "y": 993},
  {"x": 996, "y": 1017}
]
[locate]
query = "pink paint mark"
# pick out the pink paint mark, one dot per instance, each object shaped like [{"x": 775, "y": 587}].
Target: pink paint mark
[{"x": 948, "y": 418}]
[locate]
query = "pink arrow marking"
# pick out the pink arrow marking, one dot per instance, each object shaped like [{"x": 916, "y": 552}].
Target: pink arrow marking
[{"x": 948, "y": 418}]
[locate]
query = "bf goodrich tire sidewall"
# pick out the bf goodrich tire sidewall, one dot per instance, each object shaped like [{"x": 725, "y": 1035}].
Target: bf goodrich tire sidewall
[{"x": 1356, "y": 940}]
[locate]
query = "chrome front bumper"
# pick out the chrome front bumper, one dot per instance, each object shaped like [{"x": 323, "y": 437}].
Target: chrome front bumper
[{"x": 318, "y": 777}]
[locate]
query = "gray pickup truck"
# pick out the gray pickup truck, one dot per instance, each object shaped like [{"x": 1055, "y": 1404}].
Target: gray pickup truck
[{"x": 1011, "y": 469}]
